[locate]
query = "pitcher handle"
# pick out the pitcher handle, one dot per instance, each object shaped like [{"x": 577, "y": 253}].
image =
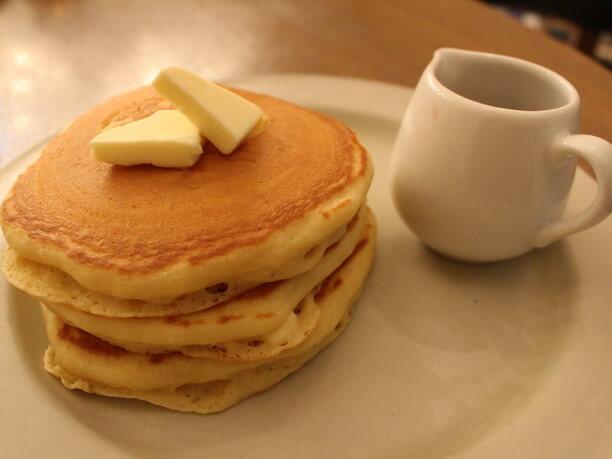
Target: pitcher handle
[{"x": 598, "y": 153}]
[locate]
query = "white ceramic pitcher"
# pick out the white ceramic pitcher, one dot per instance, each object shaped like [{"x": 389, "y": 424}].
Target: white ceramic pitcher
[{"x": 485, "y": 157}]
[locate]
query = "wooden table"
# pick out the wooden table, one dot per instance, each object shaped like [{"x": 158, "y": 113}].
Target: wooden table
[{"x": 59, "y": 57}]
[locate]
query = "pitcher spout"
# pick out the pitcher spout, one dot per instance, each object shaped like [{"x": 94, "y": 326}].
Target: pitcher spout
[{"x": 446, "y": 54}]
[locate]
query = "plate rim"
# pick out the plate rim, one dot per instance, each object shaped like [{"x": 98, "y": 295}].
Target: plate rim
[{"x": 316, "y": 79}]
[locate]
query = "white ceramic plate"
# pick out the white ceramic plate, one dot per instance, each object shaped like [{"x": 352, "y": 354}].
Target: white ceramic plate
[{"x": 507, "y": 360}]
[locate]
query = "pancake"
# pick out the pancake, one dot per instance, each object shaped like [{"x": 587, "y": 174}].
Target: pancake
[
  {"x": 47, "y": 283},
  {"x": 86, "y": 356},
  {"x": 154, "y": 234},
  {"x": 254, "y": 313},
  {"x": 82, "y": 361},
  {"x": 203, "y": 398},
  {"x": 58, "y": 289},
  {"x": 294, "y": 331}
]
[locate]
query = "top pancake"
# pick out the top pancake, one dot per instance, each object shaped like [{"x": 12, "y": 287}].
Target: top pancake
[{"x": 152, "y": 233}]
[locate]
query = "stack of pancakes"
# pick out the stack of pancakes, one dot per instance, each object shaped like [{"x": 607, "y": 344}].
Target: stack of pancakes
[{"x": 192, "y": 288}]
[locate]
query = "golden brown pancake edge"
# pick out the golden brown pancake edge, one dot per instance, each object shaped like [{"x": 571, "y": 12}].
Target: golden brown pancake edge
[{"x": 116, "y": 229}]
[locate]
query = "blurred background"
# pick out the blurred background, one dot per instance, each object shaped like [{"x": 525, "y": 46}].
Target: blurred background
[
  {"x": 60, "y": 57},
  {"x": 583, "y": 24}
]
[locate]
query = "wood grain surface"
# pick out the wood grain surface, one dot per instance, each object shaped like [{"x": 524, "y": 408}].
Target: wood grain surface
[{"x": 60, "y": 57}]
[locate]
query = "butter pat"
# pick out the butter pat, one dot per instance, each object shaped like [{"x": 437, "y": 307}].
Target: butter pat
[
  {"x": 165, "y": 139},
  {"x": 225, "y": 118}
]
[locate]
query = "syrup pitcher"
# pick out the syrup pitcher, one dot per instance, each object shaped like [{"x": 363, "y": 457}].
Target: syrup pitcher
[{"x": 486, "y": 154}]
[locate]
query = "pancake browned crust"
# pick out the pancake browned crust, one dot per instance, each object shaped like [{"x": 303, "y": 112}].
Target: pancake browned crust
[
  {"x": 201, "y": 383},
  {"x": 51, "y": 285},
  {"x": 256, "y": 312},
  {"x": 148, "y": 233}
]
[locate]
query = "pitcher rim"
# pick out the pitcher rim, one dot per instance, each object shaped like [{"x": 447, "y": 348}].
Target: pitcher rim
[{"x": 569, "y": 89}]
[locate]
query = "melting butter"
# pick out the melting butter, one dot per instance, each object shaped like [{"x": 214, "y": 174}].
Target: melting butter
[
  {"x": 166, "y": 139},
  {"x": 224, "y": 117}
]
